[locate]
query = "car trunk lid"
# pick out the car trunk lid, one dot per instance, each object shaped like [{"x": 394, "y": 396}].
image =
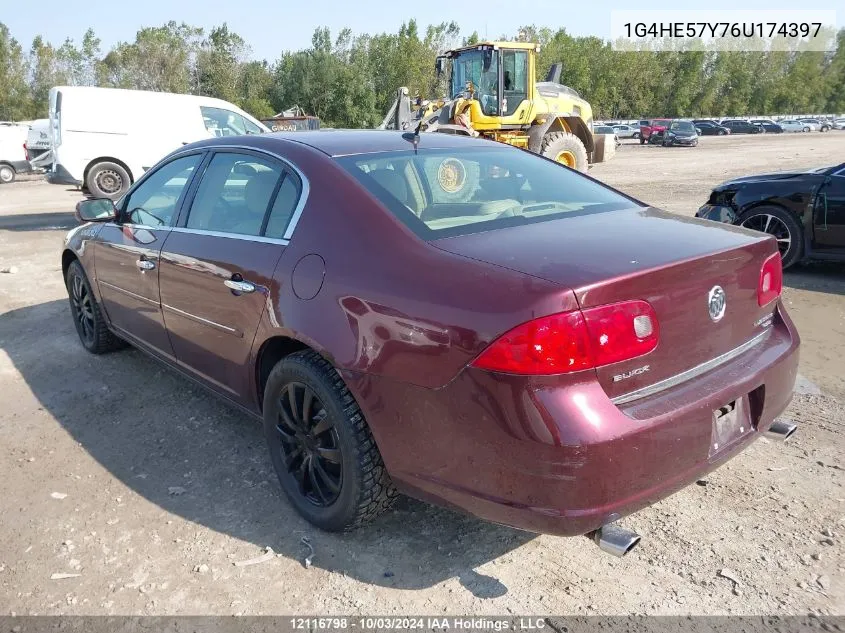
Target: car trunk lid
[{"x": 673, "y": 262}]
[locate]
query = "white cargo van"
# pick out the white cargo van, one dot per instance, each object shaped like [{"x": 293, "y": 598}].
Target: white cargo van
[{"x": 103, "y": 139}]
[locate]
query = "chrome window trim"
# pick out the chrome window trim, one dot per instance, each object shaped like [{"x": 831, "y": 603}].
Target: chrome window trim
[
  {"x": 130, "y": 225},
  {"x": 305, "y": 188},
  {"x": 689, "y": 374},
  {"x": 237, "y": 236}
]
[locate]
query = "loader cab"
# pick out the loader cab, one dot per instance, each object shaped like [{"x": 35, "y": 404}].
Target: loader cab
[{"x": 496, "y": 76}]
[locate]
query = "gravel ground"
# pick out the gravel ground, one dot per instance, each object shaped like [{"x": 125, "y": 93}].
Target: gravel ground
[{"x": 128, "y": 490}]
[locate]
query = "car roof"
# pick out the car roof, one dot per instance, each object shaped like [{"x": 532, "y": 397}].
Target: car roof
[{"x": 348, "y": 142}]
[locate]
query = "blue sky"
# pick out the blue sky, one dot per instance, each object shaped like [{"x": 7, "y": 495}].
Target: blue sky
[{"x": 272, "y": 26}]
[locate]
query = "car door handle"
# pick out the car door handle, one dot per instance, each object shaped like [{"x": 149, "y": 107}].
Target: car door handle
[
  {"x": 240, "y": 286},
  {"x": 145, "y": 264}
]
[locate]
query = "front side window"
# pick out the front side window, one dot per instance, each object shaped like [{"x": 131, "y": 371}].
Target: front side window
[
  {"x": 222, "y": 122},
  {"x": 154, "y": 201},
  {"x": 481, "y": 68},
  {"x": 440, "y": 193},
  {"x": 234, "y": 194}
]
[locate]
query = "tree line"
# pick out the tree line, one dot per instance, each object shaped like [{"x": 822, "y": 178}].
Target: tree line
[{"x": 350, "y": 80}]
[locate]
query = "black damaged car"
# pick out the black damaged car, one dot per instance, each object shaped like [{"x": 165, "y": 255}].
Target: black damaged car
[
  {"x": 804, "y": 211},
  {"x": 678, "y": 133}
]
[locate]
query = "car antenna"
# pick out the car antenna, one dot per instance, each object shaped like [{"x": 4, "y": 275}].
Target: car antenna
[{"x": 415, "y": 136}]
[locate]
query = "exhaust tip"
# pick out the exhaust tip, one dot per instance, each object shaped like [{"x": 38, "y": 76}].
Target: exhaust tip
[
  {"x": 615, "y": 540},
  {"x": 781, "y": 430}
]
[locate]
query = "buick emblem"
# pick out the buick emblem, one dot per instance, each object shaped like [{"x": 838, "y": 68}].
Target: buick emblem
[{"x": 716, "y": 303}]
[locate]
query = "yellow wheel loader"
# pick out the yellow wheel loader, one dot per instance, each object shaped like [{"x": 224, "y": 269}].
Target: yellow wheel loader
[{"x": 492, "y": 93}]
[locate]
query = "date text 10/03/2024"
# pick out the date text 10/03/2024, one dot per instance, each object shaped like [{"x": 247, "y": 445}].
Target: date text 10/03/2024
[{"x": 418, "y": 623}]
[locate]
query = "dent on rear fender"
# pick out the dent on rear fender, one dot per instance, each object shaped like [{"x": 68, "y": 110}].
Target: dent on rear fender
[{"x": 381, "y": 331}]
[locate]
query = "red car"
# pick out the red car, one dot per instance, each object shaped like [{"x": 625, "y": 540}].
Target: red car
[
  {"x": 652, "y": 126},
  {"x": 447, "y": 317}
]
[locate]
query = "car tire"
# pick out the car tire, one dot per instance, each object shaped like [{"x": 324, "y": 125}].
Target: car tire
[
  {"x": 324, "y": 454},
  {"x": 556, "y": 144},
  {"x": 720, "y": 133},
  {"x": 94, "y": 333},
  {"x": 806, "y": 129},
  {"x": 107, "y": 180},
  {"x": 782, "y": 225},
  {"x": 636, "y": 135},
  {"x": 7, "y": 174},
  {"x": 825, "y": 128}
]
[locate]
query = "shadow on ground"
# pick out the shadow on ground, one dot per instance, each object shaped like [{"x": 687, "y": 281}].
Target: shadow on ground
[
  {"x": 38, "y": 221},
  {"x": 827, "y": 277},
  {"x": 155, "y": 431}
]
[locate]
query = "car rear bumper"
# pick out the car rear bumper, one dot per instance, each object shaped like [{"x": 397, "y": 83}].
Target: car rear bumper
[{"x": 564, "y": 459}]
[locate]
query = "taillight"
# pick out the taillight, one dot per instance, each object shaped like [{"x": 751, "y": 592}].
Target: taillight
[
  {"x": 621, "y": 331},
  {"x": 573, "y": 341},
  {"x": 554, "y": 344},
  {"x": 25, "y": 152},
  {"x": 771, "y": 280}
]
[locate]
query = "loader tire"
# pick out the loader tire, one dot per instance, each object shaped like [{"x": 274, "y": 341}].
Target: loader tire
[{"x": 565, "y": 148}]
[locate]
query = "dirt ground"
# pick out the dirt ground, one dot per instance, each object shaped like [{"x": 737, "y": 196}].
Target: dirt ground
[{"x": 146, "y": 491}]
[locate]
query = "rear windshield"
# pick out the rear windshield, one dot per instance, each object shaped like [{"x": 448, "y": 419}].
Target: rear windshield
[{"x": 439, "y": 193}]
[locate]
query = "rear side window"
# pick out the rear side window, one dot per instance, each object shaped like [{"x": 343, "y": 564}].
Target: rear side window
[
  {"x": 234, "y": 194},
  {"x": 243, "y": 194},
  {"x": 442, "y": 193},
  {"x": 283, "y": 207}
]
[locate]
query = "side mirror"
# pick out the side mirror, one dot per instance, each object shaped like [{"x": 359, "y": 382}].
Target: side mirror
[{"x": 96, "y": 210}]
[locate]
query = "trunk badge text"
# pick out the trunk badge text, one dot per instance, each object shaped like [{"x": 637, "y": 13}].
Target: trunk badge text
[
  {"x": 716, "y": 303},
  {"x": 631, "y": 374}
]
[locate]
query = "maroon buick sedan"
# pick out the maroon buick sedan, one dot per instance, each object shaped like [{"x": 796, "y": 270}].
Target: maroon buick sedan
[{"x": 452, "y": 318}]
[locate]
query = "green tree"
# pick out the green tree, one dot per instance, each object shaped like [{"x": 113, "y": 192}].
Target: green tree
[{"x": 15, "y": 97}]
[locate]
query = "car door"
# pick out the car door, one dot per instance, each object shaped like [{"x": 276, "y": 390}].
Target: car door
[
  {"x": 126, "y": 254},
  {"x": 217, "y": 265},
  {"x": 830, "y": 212}
]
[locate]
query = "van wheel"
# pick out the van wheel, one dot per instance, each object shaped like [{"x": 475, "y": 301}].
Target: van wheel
[
  {"x": 107, "y": 180},
  {"x": 323, "y": 452},
  {"x": 7, "y": 174}
]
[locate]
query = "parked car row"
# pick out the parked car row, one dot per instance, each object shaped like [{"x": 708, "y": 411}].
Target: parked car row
[{"x": 666, "y": 131}]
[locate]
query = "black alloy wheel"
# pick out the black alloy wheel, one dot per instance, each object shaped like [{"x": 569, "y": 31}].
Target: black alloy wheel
[
  {"x": 83, "y": 310},
  {"x": 309, "y": 444}
]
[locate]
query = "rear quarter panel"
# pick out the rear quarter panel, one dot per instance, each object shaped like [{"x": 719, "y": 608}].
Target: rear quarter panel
[{"x": 390, "y": 304}]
